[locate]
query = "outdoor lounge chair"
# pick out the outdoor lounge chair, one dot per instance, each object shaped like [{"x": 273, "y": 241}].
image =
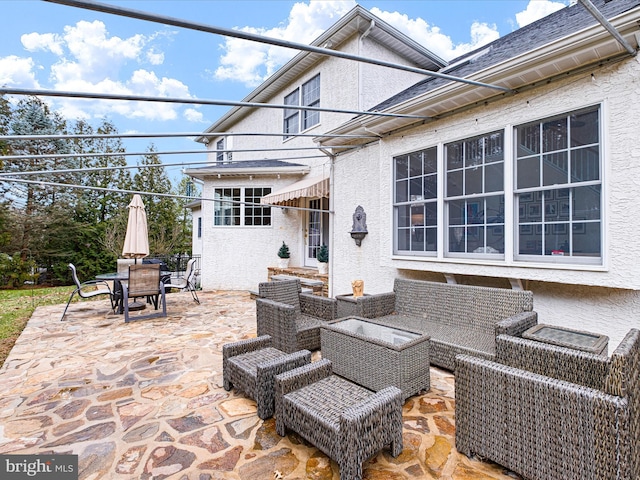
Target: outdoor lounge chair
[
  {"x": 292, "y": 319},
  {"x": 251, "y": 366},
  {"x": 88, "y": 289},
  {"x": 545, "y": 411},
  {"x": 144, "y": 281},
  {"x": 188, "y": 281}
]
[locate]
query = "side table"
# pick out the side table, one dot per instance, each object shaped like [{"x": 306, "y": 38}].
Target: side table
[{"x": 567, "y": 337}]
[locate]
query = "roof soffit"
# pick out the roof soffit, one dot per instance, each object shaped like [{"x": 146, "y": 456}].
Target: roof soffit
[{"x": 584, "y": 48}]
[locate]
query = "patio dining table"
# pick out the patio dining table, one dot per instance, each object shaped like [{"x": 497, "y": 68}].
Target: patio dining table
[{"x": 117, "y": 278}]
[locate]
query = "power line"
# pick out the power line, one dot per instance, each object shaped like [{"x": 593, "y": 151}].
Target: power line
[
  {"x": 172, "y": 152},
  {"x": 127, "y": 167},
  {"x": 196, "y": 101},
  {"x": 156, "y": 194},
  {"x": 178, "y": 134},
  {"x": 140, "y": 15}
]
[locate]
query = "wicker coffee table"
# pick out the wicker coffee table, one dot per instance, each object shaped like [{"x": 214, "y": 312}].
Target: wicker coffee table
[{"x": 376, "y": 356}]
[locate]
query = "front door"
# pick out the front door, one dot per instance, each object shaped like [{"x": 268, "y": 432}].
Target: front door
[{"x": 316, "y": 229}]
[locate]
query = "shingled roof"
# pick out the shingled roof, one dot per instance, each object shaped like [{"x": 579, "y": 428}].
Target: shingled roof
[{"x": 554, "y": 26}]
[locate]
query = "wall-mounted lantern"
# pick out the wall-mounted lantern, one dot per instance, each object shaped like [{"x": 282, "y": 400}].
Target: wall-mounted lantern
[{"x": 359, "y": 228}]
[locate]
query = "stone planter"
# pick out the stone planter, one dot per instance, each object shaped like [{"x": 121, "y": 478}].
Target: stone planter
[{"x": 323, "y": 268}]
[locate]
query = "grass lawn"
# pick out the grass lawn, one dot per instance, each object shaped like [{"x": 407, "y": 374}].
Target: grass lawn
[{"x": 16, "y": 307}]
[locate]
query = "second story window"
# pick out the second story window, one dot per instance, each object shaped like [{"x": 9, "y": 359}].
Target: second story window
[
  {"x": 220, "y": 151},
  {"x": 307, "y": 95}
]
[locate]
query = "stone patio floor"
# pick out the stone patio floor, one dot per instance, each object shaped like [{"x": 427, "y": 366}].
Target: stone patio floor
[{"x": 144, "y": 400}]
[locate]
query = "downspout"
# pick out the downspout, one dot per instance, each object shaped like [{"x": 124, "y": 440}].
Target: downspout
[
  {"x": 360, "y": 67},
  {"x": 607, "y": 25},
  {"x": 332, "y": 160}
]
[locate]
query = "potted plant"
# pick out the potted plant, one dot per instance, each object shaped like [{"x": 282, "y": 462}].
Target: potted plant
[
  {"x": 284, "y": 255},
  {"x": 323, "y": 258}
]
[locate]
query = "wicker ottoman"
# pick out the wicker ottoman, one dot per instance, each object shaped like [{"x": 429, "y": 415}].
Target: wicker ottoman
[
  {"x": 347, "y": 422},
  {"x": 251, "y": 365}
]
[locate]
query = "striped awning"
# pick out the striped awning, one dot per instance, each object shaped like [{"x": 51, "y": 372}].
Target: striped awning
[{"x": 290, "y": 195}]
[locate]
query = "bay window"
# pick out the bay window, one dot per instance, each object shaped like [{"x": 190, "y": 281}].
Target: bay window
[{"x": 556, "y": 194}]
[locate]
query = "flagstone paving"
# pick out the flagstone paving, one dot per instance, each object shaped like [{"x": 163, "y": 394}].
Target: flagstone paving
[{"x": 144, "y": 400}]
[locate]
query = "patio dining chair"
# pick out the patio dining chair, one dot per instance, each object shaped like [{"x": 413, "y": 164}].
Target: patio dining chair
[
  {"x": 88, "y": 289},
  {"x": 188, "y": 281},
  {"x": 144, "y": 281}
]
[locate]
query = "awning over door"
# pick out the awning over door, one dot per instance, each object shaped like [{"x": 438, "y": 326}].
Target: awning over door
[{"x": 291, "y": 194}]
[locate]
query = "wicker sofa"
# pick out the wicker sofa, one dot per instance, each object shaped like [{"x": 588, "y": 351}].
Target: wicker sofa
[
  {"x": 546, "y": 411},
  {"x": 291, "y": 318},
  {"x": 460, "y": 319}
]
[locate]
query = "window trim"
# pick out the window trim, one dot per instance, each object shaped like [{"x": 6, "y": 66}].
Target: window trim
[
  {"x": 300, "y": 113},
  {"x": 243, "y": 207},
  {"x": 511, "y": 257}
]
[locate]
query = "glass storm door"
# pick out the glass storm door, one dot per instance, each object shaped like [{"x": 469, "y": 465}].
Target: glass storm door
[{"x": 316, "y": 230}]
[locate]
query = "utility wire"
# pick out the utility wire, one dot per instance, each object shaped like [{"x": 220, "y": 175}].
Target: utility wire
[{"x": 164, "y": 195}]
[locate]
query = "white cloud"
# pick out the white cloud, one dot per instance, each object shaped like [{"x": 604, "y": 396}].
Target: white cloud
[
  {"x": 18, "y": 71},
  {"x": 47, "y": 42},
  {"x": 251, "y": 62},
  {"x": 89, "y": 59},
  {"x": 432, "y": 38},
  {"x": 193, "y": 115},
  {"x": 537, "y": 9}
]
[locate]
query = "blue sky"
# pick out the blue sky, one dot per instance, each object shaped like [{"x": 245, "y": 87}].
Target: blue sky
[{"x": 56, "y": 47}]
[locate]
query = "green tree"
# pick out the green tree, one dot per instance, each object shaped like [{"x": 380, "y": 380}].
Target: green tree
[
  {"x": 35, "y": 201},
  {"x": 163, "y": 213}
]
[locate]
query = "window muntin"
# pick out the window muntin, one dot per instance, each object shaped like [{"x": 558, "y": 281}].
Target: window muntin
[
  {"x": 220, "y": 152},
  {"x": 415, "y": 204},
  {"x": 291, "y": 116},
  {"x": 226, "y": 207},
  {"x": 240, "y": 206},
  {"x": 256, "y": 215},
  {"x": 311, "y": 98},
  {"x": 558, "y": 188},
  {"x": 307, "y": 95},
  {"x": 474, "y": 197}
]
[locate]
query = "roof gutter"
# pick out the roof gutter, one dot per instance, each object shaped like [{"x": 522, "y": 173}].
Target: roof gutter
[{"x": 590, "y": 7}]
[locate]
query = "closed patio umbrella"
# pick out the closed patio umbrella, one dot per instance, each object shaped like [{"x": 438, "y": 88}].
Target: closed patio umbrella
[{"x": 136, "y": 241}]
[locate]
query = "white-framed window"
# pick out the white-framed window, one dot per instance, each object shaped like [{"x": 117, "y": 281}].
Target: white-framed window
[
  {"x": 556, "y": 194},
  {"x": 199, "y": 227},
  {"x": 558, "y": 188},
  {"x": 474, "y": 197},
  {"x": 307, "y": 95},
  {"x": 416, "y": 201},
  {"x": 241, "y": 207},
  {"x": 220, "y": 151}
]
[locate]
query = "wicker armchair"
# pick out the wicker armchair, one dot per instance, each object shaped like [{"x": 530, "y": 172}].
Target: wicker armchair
[
  {"x": 345, "y": 421},
  {"x": 292, "y": 319},
  {"x": 251, "y": 366},
  {"x": 552, "y": 412}
]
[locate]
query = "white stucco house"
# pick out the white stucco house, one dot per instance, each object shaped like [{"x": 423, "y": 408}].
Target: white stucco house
[
  {"x": 523, "y": 178},
  {"x": 284, "y": 165}
]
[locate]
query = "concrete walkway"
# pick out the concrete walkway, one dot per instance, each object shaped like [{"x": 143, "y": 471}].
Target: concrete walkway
[{"x": 144, "y": 400}]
